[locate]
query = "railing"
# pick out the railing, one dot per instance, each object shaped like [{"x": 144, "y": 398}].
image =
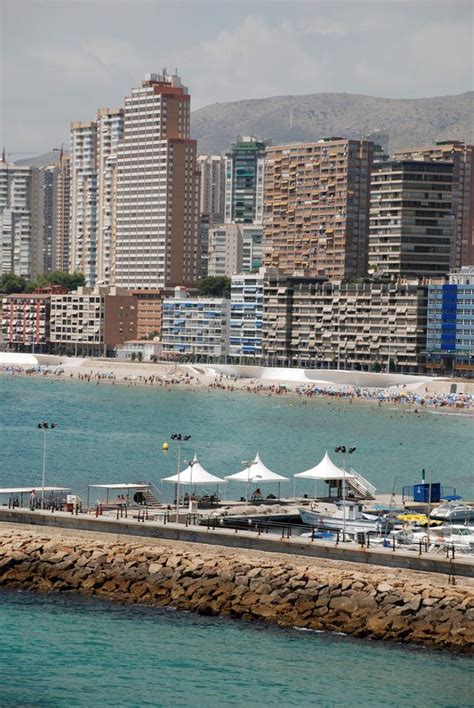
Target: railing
[{"x": 361, "y": 484}]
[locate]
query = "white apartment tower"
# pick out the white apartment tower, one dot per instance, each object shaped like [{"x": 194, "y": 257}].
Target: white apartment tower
[
  {"x": 157, "y": 187},
  {"x": 15, "y": 219},
  {"x": 83, "y": 245}
]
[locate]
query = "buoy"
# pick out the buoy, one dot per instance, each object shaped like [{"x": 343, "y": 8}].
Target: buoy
[{"x": 165, "y": 446}]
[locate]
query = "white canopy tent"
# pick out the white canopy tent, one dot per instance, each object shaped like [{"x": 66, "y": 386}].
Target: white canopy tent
[
  {"x": 325, "y": 470},
  {"x": 15, "y": 492},
  {"x": 256, "y": 472},
  {"x": 193, "y": 474}
]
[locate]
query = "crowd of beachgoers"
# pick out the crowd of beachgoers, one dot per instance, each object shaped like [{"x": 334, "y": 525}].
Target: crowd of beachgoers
[{"x": 175, "y": 376}]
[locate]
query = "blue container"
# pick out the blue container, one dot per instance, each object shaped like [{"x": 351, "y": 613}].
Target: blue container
[{"x": 421, "y": 492}]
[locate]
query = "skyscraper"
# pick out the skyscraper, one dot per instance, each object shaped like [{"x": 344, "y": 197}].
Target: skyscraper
[
  {"x": 212, "y": 187},
  {"x": 83, "y": 244},
  {"x": 63, "y": 214},
  {"x": 157, "y": 185},
  {"x": 462, "y": 157},
  {"x": 15, "y": 219},
  {"x": 316, "y": 207},
  {"x": 43, "y": 200},
  {"x": 244, "y": 181},
  {"x": 411, "y": 218}
]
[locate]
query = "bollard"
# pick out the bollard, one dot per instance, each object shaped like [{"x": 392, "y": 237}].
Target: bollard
[{"x": 337, "y": 537}]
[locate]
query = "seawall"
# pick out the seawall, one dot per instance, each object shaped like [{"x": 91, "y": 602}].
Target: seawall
[{"x": 362, "y": 601}]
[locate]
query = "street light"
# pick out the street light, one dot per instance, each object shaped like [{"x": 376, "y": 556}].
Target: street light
[
  {"x": 344, "y": 451},
  {"x": 45, "y": 427},
  {"x": 179, "y": 438}
]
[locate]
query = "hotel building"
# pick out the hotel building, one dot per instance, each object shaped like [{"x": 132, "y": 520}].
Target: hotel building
[
  {"x": 157, "y": 188},
  {"x": 316, "y": 207}
]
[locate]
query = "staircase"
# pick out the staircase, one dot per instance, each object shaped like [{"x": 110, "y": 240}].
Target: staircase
[
  {"x": 151, "y": 495},
  {"x": 362, "y": 488}
]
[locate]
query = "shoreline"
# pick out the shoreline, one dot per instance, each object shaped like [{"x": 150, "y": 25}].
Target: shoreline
[{"x": 187, "y": 377}]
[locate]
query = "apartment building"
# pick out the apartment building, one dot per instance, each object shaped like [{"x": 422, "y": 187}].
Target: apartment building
[
  {"x": 225, "y": 250},
  {"x": 365, "y": 325},
  {"x": 411, "y": 218},
  {"x": 26, "y": 319},
  {"x": 450, "y": 324},
  {"x": 109, "y": 134},
  {"x": 246, "y": 308},
  {"x": 316, "y": 207},
  {"x": 92, "y": 322},
  {"x": 195, "y": 327},
  {"x": 212, "y": 187},
  {"x": 43, "y": 205},
  {"x": 16, "y": 251},
  {"x": 252, "y": 247},
  {"x": 157, "y": 188},
  {"x": 84, "y": 204},
  {"x": 461, "y": 156},
  {"x": 244, "y": 170},
  {"x": 61, "y": 257}
]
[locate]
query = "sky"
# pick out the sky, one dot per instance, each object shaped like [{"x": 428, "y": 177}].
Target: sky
[{"x": 61, "y": 60}]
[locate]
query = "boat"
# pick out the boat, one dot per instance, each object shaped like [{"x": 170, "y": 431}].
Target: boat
[
  {"x": 334, "y": 516},
  {"x": 461, "y": 537},
  {"x": 452, "y": 512}
]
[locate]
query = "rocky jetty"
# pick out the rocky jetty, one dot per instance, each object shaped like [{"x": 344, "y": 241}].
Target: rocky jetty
[{"x": 363, "y": 601}]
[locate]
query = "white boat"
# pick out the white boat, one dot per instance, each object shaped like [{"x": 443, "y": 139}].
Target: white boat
[
  {"x": 331, "y": 516},
  {"x": 451, "y": 511},
  {"x": 461, "y": 537}
]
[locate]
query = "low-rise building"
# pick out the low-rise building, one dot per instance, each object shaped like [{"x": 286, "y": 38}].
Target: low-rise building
[
  {"x": 246, "y": 307},
  {"x": 450, "y": 324},
  {"x": 139, "y": 350},
  {"x": 26, "y": 319},
  {"x": 373, "y": 325},
  {"x": 195, "y": 327},
  {"x": 92, "y": 321}
]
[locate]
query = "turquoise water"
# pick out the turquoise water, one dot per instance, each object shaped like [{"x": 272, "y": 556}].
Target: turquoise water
[
  {"x": 68, "y": 651},
  {"x": 115, "y": 433}
]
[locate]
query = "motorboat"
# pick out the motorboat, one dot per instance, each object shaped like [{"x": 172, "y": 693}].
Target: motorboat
[
  {"x": 461, "y": 537},
  {"x": 334, "y": 516},
  {"x": 453, "y": 512}
]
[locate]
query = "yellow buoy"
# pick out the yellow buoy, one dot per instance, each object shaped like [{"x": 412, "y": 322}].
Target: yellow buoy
[{"x": 165, "y": 446}]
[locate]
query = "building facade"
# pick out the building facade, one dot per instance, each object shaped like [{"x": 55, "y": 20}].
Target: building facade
[
  {"x": 462, "y": 157},
  {"x": 195, "y": 327},
  {"x": 84, "y": 204},
  {"x": 225, "y": 250},
  {"x": 367, "y": 326},
  {"x": 212, "y": 187},
  {"x": 244, "y": 171},
  {"x": 43, "y": 202},
  {"x": 316, "y": 207},
  {"x": 157, "y": 188},
  {"x": 26, "y": 319},
  {"x": 411, "y": 218},
  {"x": 61, "y": 260},
  {"x": 450, "y": 324},
  {"x": 92, "y": 322},
  {"x": 246, "y": 309},
  {"x": 16, "y": 249}
]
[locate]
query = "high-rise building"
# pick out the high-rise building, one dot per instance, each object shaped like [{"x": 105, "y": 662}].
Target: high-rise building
[
  {"x": 246, "y": 308},
  {"x": 244, "y": 181},
  {"x": 225, "y": 250},
  {"x": 15, "y": 219},
  {"x": 43, "y": 201},
  {"x": 212, "y": 187},
  {"x": 63, "y": 214},
  {"x": 109, "y": 133},
  {"x": 316, "y": 207},
  {"x": 83, "y": 243},
  {"x": 462, "y": 157},
  {"x": 157, "y": 188},
  {"x": 411, "y": 218}
]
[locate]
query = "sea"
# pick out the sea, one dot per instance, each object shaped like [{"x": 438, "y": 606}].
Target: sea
[{"x": 65, "y": 650}]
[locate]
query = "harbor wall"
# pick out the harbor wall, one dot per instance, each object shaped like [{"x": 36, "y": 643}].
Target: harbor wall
[{"x": 315, "y": 594}]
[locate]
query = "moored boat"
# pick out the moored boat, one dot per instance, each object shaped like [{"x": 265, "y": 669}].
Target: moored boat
[{"x": 336, "y": 516}]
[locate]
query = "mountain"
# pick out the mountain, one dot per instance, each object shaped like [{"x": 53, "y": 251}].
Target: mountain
[
  {"x": 285, "y": 119},
  {"x": 47, "y": 158}
]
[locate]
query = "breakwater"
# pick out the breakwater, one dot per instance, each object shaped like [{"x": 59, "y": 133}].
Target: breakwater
[{"x": 320, "y": 595}]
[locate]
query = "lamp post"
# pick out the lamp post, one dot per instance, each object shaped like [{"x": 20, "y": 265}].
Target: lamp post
[
  {"x": 191, "y": 464},
  {"x": 344, "y": 451},
  {"x": 249, "y": 464},
  {"x": 179, "y": 438},
  {"x": 44, "y": 426}
]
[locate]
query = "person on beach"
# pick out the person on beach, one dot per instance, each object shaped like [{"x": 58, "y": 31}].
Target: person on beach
[{"x": 32, "y": 500}]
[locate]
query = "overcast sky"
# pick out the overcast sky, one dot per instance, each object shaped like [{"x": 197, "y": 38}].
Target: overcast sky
[{"x": 62, "y": 60}]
